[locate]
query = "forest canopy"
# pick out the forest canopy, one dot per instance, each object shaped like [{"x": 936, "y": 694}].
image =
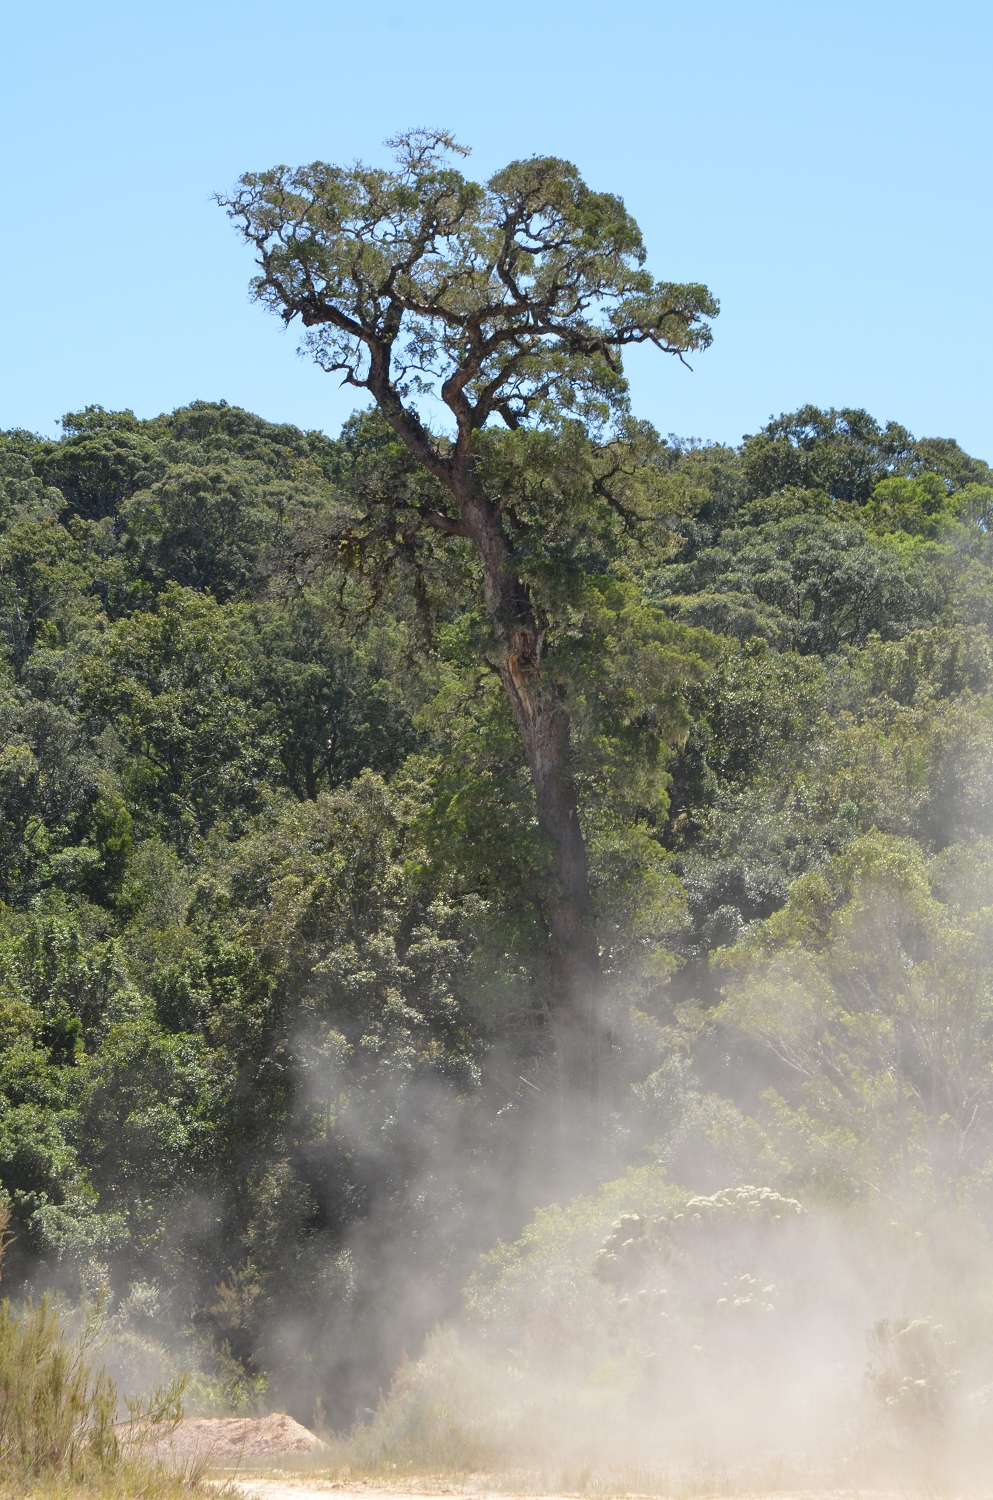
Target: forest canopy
[{"x": 273, "y": 937}]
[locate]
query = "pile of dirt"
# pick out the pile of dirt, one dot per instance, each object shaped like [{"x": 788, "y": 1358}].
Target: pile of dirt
[{"x": 226, "y": 1441}]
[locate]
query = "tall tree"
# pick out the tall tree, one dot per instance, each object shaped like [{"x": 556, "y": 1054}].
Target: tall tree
[{"x": 508, "y": 301}]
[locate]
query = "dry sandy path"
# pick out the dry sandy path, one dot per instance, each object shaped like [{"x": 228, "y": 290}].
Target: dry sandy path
[
  {"x": 292, "y": 1487},
  {"x": 296, "y": 1487}
]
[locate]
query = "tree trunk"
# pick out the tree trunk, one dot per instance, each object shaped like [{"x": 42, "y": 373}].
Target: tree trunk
[
  {"x": 575, "y": 968},
  {"x": 545, "y": 732}
]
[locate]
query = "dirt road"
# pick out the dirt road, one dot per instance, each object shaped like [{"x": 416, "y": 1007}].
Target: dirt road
[{"x": 293, "y": 1487}]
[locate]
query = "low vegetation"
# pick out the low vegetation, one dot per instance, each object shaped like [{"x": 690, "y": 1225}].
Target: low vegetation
[{"x": 60, "y": 1415}]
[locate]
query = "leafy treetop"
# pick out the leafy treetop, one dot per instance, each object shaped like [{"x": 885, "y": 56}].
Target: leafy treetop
[{"x": 511, "y": 299}]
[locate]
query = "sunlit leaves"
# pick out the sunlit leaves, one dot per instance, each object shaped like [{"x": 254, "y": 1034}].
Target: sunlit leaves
[{"x": 512, "y": 299}]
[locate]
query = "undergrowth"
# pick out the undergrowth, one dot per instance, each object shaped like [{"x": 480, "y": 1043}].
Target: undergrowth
[{"x": 59, "y": 1433}]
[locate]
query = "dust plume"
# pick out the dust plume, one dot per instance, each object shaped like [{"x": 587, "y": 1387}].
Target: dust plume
[{"x": 792, "y": 1288}]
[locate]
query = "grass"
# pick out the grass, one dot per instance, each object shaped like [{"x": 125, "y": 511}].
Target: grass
[{"x": 126, "y": 1482}]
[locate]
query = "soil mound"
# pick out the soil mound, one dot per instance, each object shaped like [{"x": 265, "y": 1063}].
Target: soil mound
[{"x": 225, "y": 1441}]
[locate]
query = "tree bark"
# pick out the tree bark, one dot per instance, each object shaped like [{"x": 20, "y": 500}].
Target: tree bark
[
  {"x": 575, "y": 969},
  {"x": 544, "y": 727}
]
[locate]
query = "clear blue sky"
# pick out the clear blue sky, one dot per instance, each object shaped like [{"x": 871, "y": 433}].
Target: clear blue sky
[{"x": 825, "y": 168}]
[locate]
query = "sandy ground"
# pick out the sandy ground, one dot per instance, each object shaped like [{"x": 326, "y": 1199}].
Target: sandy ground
[
  {"x": 226, "y": 1442},
  {"x": 275, "y": 1458},
  {"x": 289, "y": 1487},
  {"x": 296, "y": 1488}
]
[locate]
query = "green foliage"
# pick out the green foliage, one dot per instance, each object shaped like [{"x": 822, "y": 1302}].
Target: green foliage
[
  {"x": 57, "y": 1409},
  {"x": 112, "y": 827},
  {"x": 532, "y": 282},
  {"x": 176, "y": 686},
  {"x": 145, "y": 1116},
  {"x": 807, "y": 583},
  {"x": 847, "y": 454},
  {"x": 876, "y": 998},
  {"x": 59, "y": 1430},
  {"x": 275, "y": 933},
  {"x": 541, "y": 1288},
  {"x": 323, "y": 893},
  {"x": 333, "y": 700},
  {"x": 104, "y": 458}
]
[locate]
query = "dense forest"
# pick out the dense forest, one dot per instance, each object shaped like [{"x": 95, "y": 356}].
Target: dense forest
[{"x": 277, "y": 1061}]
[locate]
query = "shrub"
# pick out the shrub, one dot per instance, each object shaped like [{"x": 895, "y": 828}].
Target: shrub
[{"x": 58, "y": 1409}]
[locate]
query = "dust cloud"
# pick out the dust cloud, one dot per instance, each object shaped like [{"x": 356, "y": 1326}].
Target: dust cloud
[{"x": 648, "y": 1329}]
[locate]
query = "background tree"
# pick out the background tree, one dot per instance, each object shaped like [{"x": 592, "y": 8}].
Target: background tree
[{"x": 511, "y": 300}]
